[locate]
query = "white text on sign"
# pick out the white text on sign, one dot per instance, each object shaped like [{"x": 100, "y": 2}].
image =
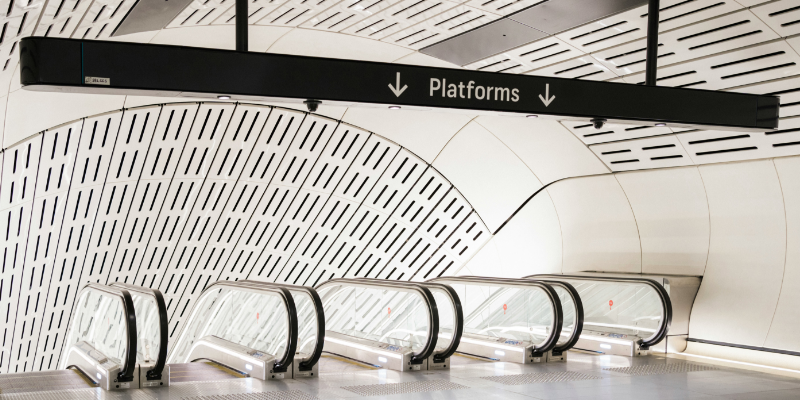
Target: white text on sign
[{"x": 469, "y": 90}]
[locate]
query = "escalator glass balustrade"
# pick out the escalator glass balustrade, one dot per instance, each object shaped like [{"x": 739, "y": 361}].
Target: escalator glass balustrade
[
  {"x": 383, "y": 324},
  {"x": 623, "y": 316},
  {"x": 259, "y": 329},
  {"x": 151, "y": 334},
  {"x": 507, "y": 319},
  {"x": 451, "y": 320},
  {"x": 101, "y": 340}
]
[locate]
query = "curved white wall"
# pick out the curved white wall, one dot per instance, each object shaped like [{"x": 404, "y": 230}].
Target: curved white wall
[
  {"x": 672, "y": 215},
  {"x": 786, "y": 323},
  {"x": 598, "y": 227},
  {"x": 739, "y": 293},
  {"x": 735, "y": 224}
]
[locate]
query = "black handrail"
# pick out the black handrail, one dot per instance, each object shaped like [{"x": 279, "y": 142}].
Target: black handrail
[
  {"x": 163, "y": 325},
  {"x": 576, "y": 299},
  {"x": 129, "y": 363},
  {"x": 308, "y": 364},
  {"x": 458, "y": 328},
  {"x": 558, "y": 312},
  {"x": 291, "y": 313},
  {"x": 666, "y": 303},
  {"x": 425, "y": 293}
]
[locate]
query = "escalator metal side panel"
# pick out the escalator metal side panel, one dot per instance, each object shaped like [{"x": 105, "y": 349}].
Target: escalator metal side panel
[
  {"x": 499, "y": 349},
  {"x": 381, "y": 354},
  {"x": 235, "y": 356},
  {"x": 99, "y": 368}
]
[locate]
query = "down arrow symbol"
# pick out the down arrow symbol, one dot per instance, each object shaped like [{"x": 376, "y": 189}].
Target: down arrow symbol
[
  {"x": 546, "y": 99},
  {"x": 397, "y": 90}
]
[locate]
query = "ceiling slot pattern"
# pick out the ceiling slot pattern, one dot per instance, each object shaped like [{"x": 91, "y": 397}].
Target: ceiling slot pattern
[
  {"x": 61, "y": 18},
  {"x": 700, "y": 147},
  {"x": 632, "y": 25},
  {"x": 346, "y": 13},
  {"x": 531, "y": 56},
  {"x": 782, "y": 16},
  {"x": 399, "y": 16},
  {"x": 729, "y": 70},
  {"x": 449, "y": 23},
  {"x": 502, "y": 7},
  {"x": 101, "y": 18}
]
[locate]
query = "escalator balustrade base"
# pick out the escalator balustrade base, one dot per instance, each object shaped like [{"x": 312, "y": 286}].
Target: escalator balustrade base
[
  {"x": 432, "y": 365},
  {"x": 583, "y": 376},
  {"x": 44, "y": 381},
  {"x": 610, "y": 343},
  {"x": 560, "y": 357},
  {"x": 201, "y": 371},
  {"x": 384, "y": 355}
]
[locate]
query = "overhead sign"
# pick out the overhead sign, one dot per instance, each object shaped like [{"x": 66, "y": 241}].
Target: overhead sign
[{"x": 71, "y": 65}]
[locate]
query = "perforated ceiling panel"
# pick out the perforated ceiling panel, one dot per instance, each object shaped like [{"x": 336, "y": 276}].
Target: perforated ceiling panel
[
  {"x": 178, "y": 196},
  {"x": 704, "y": 44}
]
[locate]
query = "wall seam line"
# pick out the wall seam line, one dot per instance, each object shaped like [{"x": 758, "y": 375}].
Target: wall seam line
[
  {"x": 636, "y": 222},
  {"x": 785, "y": 251},
  {"x": 708, "y": 208}
]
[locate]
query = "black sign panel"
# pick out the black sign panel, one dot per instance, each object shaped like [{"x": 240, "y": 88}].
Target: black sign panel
[{"x": 51, "y": 64}]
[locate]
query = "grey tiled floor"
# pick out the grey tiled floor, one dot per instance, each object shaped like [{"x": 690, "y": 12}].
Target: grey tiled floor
[{"x": 719, "y": 383}]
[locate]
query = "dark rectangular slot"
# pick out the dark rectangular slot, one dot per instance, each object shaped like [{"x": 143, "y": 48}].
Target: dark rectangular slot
[
  {"x": 720, "y": 139},
  {"x": 705, "y": 153}
]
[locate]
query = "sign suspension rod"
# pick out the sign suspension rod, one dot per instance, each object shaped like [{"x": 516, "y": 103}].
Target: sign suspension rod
[
  {"x": 652, "y": 43},
  {"x": 241, "y": 25}
]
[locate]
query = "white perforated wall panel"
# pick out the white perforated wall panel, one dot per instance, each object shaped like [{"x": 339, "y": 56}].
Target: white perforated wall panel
[{"x": 178, "y": 196}]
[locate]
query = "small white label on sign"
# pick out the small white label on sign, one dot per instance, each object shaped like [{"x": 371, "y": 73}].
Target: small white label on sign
[
  {"x": 93, "y": 80},
  {"x": 124, "y": 385},
  {"x": 303, "y": 374},
  {"x": 149, "y": 384},
  {"x": 415, "y": 367}
]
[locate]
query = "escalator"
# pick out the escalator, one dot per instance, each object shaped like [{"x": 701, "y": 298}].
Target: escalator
[
  {"x": 116, "y": 340},
  {"x": 516, "y": 320},
  {"x": 386, "y": 324},
  {"x": 151, "y": 333},
  {"x": 451, "y": 321},
  {"x": 623, "y": 315},
  {"x": 251, "y": 329}
]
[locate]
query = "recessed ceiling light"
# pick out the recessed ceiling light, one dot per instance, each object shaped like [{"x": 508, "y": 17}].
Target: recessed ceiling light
[
  {"x": 661, "y": 124},
  {"x": 394, "y": 107},
  {"x": 224, "y": 97},
  {"x": 532, "y": 116}
]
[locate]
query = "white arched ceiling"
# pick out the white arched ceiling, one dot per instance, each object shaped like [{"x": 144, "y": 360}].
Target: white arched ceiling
[{"x": 180, "y": 195}]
